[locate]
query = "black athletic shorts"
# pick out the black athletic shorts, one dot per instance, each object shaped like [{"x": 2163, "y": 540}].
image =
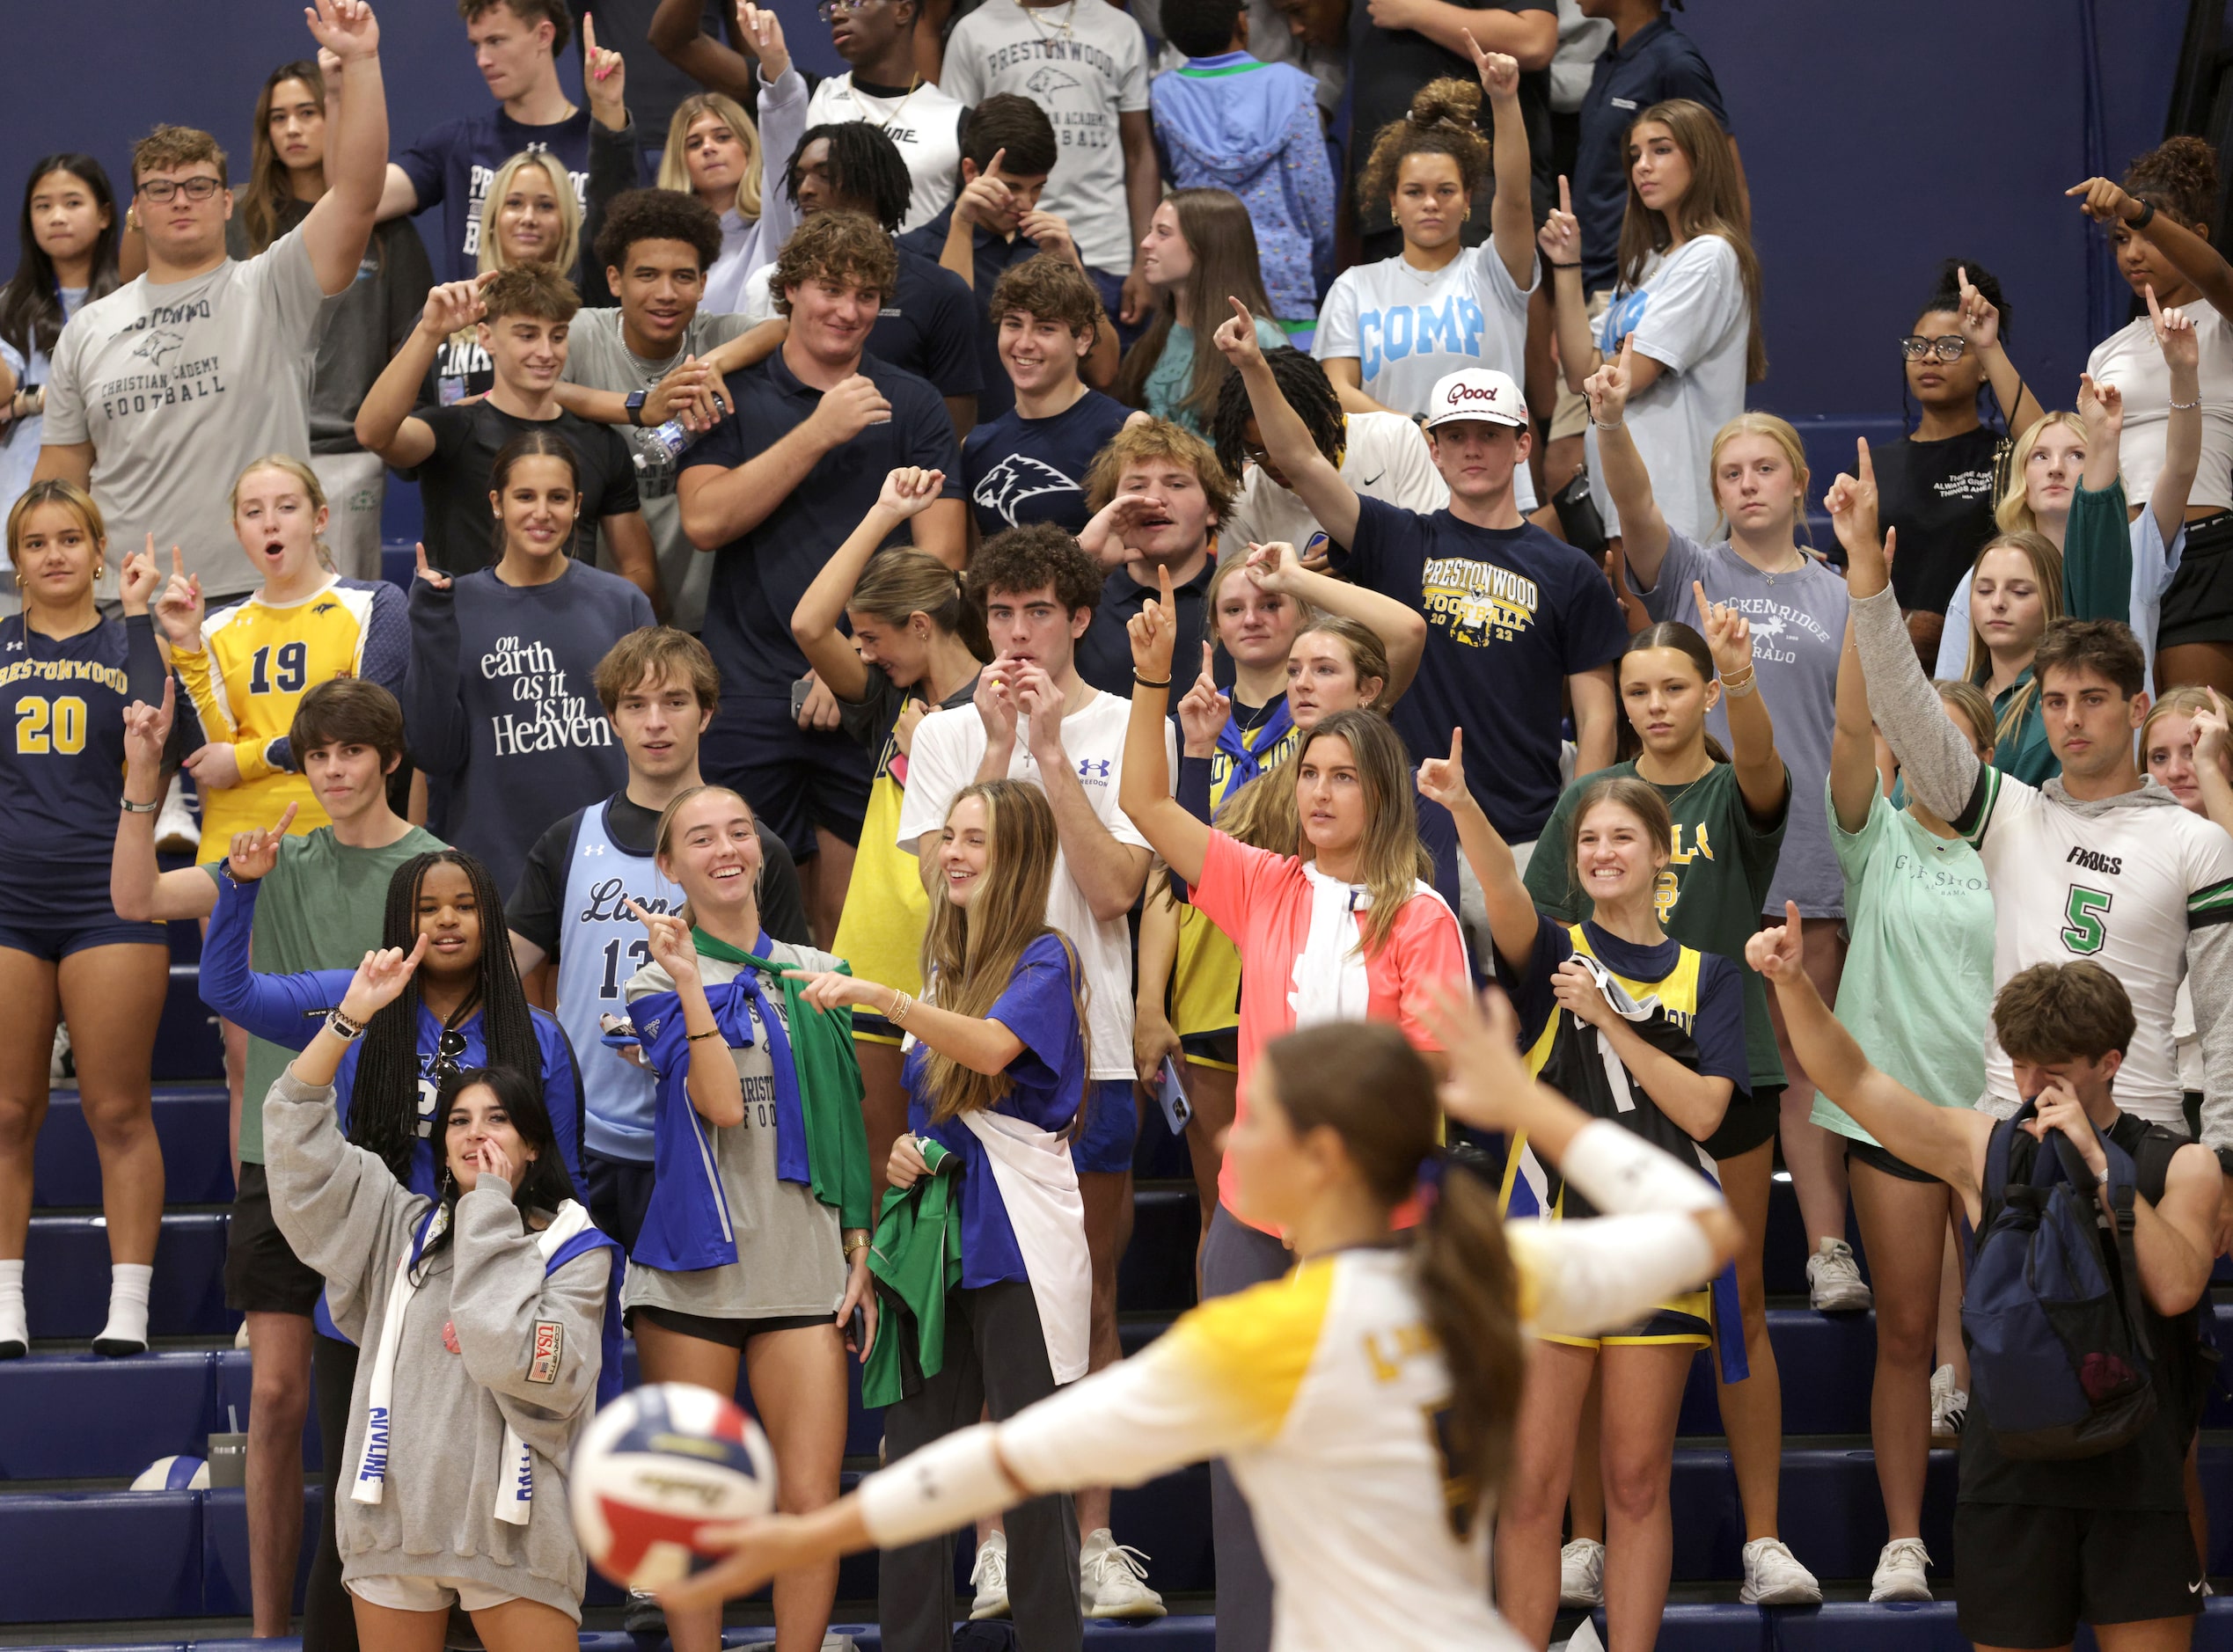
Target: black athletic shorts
[
  {"x": 262, "y": 1273},
  {"x": 1876, "y": 1158},
  {"x": 2199, "y": 605},
  {"x": 728, "y": 1332},
  {"x": 1220, "y": 1049},
  {"x": 620, "y": 1195},
  {"x": 1750, "y": 1120},
  {"x": 2030, "y": 1576}
]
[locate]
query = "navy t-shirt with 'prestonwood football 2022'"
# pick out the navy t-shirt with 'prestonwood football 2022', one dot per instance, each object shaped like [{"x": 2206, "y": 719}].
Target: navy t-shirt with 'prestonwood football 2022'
[{"x": 1511, "y": 614}]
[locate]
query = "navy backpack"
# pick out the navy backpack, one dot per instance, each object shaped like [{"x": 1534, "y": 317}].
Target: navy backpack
[{"x": 2059, "y": 1354}]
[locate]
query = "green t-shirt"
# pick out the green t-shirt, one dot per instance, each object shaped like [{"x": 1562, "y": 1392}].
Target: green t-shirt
[
  {"x": 320, "y": 908},
  {"x": 1711, "y": 894},
  {"x": 1917, "y": 990}
]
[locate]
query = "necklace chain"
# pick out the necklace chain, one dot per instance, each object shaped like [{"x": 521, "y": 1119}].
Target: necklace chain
[
  {"x": 1069, "y": 21},
  {"x": 862, "y": 104}
]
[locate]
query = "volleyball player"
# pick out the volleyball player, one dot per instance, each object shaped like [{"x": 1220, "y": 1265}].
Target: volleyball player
[
  {"x": 66, "y": 676},
  {"x": 2102, "y": 866},
  {"x": 1367, "y": 1403}
]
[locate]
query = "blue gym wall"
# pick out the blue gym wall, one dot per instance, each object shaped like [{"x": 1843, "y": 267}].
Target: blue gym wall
[{"x": 1878, "y": 139}]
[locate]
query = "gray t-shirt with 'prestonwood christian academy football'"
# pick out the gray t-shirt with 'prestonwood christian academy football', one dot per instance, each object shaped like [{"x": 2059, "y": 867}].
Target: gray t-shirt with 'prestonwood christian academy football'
[
  {"x": 178, "y": 387},
  {"x": 598, "y": 357}
]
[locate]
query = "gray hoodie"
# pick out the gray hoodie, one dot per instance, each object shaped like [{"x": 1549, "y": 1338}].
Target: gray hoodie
[{"x": 349, "y": 1218}]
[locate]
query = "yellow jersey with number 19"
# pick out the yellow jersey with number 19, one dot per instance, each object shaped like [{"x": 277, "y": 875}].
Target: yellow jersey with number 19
[{"x": 256, "y": 662}]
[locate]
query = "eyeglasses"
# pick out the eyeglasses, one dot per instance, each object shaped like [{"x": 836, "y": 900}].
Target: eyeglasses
[
  {"x": 1948, "y": 346},
  {"x": 160, "y": 190},
  {"x": 448, "y": 1048},
  {"x": 831, "y": 11}
]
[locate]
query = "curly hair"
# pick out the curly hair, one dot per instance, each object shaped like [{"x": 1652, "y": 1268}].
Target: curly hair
[
  {"x": 1146, "y": 442},
  {"x": 865, "y": 169},
  {"x": 2177, "y": 176},
  {"x": 658, "y": 215},
  {"x": 1020, "y": 126},
  {"x": 168, "y": 148},
  {"x": 1303, "y": 382},
  {"x": 1048, "y": 288},
  {"x": 1035, "y": 556},
  {"x": 841, "y": 246},
  {"x": 1444, "y": 120},
  {"x": 1201, "y": 28},
  {"x": 530, "y": 289},
  {"x": 1945, "y": 292}
]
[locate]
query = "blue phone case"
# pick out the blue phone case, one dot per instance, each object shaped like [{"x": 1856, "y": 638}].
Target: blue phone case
[{"x": 1172, "y": 1093}]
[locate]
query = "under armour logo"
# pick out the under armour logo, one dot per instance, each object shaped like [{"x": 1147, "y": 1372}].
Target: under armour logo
[
  {"x": 594, "y": 849},
  {"x": 1094, "y": 768}
]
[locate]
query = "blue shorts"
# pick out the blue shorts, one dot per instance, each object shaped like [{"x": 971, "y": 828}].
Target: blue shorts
[
  {"x": 794, "y": 778},
  {"x": 1104, "y": 1146},
  {"x": 53, "y": 910}
]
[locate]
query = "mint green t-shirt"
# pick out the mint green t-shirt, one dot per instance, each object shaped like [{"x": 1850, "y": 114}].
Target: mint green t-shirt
[
  {"x": 320, "y": 908},
  {"x": 1917, "y": 990}
]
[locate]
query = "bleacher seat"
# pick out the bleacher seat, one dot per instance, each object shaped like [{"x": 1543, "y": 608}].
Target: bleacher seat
[
  {"x": 190, "y": 1122},
  {"x": 66, "y": 1277},
  {"x": 224, "y": 1551}
]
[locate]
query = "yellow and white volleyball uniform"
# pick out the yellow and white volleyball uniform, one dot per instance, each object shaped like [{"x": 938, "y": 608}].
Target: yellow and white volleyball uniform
[
  {"x": 1205, "y": 973},
  {"x": 1326, "y": 1393},
  {"x": 256, "y": 662}
]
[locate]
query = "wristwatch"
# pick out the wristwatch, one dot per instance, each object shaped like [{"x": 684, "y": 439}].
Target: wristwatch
[{"x": 636, "y": 399}]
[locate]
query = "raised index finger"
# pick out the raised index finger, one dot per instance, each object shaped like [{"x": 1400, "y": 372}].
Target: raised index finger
[
  {"x": 1868, "y": 469},
  {"x": 1565, "y": 195},
  {"x": 1164, "y": 572},
  {"x": 1705, "y": 609},
  {"x": 2155, "y": 309},
  {"x": 590, "y": 36}
]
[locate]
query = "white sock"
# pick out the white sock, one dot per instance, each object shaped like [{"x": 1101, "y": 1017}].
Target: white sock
[
  {"x": 127, "y": 1290},
  {"x": 13, "y": 1327}
]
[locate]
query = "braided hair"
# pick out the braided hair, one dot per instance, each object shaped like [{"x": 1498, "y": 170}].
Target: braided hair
[
  {"x": 1303, "y": 382},
  {"x": 865, "y": 168},
  {"x": 383, "y": 1100}
]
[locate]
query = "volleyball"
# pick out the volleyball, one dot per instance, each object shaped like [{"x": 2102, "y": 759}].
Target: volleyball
[
  {"x": 173, "y": 1474},
  {"x": 657, "y": 1466}
]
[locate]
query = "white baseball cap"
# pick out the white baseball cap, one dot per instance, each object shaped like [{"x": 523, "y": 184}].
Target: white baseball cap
[{"x": 1480, "y": 393}]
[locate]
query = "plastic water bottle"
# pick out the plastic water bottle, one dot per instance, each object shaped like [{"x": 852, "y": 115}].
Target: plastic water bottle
[{"x": 673, "y": 438}]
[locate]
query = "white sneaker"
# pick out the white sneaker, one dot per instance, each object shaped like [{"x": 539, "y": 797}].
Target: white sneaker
[
  {"x": 178, "y": 829},
  {"x": 1774, "y": 1577},
  {"x": 1833, "y": 1282},
  {"x": 61, "y": 1071},
  {"x": 1581, "y": 1573},
  {"x": 1900, "y": 1572},
  {"x": 1112, "y": 1580},
  {"x": 240, "y": 1337},
  {"x": 989, "y": 1578},
  {"x": 1949, "y": 1407}
]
